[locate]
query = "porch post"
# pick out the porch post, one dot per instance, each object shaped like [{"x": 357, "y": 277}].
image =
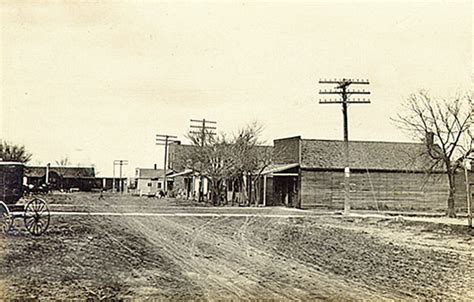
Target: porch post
[
  {"x": 264, "y": 190},
  {"x": 47, "y": 173}
]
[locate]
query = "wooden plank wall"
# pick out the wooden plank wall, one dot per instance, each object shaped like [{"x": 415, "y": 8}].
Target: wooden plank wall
[{"x": 378, "y": 190}]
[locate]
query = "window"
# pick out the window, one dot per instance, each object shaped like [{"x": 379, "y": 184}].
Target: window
[
  {"x": 149, "y": 184},
  {"x": 159, "y": 185}
]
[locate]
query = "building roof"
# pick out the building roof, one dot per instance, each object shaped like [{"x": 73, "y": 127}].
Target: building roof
[
  {"x": 275, "y": 168},
  {"x": 10, "y": 163},
  {"x": 183, "y": 173},
  {"x": 329, "y": 154},
  {"x": 65, "y": 172},
  {"x": 178, "y": 154},
  {"x": 152, "y": 173}
]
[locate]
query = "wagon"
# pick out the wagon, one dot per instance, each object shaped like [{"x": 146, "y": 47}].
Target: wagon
[{"x": 34, "y": 212}]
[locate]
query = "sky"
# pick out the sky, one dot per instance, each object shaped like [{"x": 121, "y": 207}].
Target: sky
[{"x": 95, "y": 81}]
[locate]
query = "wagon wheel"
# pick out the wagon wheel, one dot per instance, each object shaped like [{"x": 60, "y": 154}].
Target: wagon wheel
[
  {"x": 36, "y": 216},
  {"x": 6, "y": 219}
]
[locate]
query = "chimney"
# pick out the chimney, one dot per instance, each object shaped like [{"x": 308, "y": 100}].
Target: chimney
[{"x": 154, "y": 166}]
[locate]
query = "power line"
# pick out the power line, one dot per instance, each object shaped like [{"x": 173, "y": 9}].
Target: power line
[
  {"x": 342, "y": 89},
  {"x": 165, "y": 140}
]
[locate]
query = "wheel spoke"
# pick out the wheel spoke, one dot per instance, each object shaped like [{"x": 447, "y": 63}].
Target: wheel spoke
[
  {"x": 43, "y": 222},
  {"x": 36, "y": 216},
  {"x": 42, "y": 211},
  {"x": 29, "y": 224},
  {"x": 34, "y": 204},
  {"x": 39, "y": 225},
  {"x": 30, "y": 218}
]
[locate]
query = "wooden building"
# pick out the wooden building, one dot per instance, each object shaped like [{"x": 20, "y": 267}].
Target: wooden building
[
  {"x": 185, "y": 184},
  {"x": 61, "y": 178},
  {"x": 309, "y": 173},
  {"x": 113, "y": 183},
  {"x": 151, "y": 181}
]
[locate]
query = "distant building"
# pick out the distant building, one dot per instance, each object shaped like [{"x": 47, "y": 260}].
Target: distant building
[
  {"x": 113, "y": 183},
  {"x": 151, "y": 181},
  {"x": 61, "y": 178},
  {"x": 187, "y": 182}
]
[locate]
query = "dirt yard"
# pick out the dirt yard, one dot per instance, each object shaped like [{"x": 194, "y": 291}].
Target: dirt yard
[{"x": 192, "y": 252}]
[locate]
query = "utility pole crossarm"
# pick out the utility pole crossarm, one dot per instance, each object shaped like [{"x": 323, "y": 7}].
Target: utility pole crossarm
[
  {"x": 339, "y": 81},
  {"x": 200, "y": 121},
  {"x": 329, "y": 92},
  {"x": 162, "y": 136},
  {"x": 200, "y": 127},
  {"x": 169, "y": 143},
  {"x": 363, "y": 101},
  {"x": 207, "y": 133},
  {"x": 340, "y": 92},
  {"x": 342, "y": 89},
  {"x": 357, "y": 92}
]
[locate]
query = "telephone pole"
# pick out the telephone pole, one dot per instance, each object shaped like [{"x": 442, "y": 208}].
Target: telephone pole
[
  {"x": 165, "y": 140},
  {"x": 119, "y": 162},
  {"x": 203, "y": 129},
  {"x": 342, "y": 89}
]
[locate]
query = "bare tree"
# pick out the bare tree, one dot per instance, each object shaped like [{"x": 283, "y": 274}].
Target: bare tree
[
  {"x": 12, "y": 152},
  {"x": 211, "y": 157},
  {"x": 251, "y": 156},
  {"x": 63, "y": 162},
  {"x": 239, "y": 159},
  {"x": 444, "y": 125}
]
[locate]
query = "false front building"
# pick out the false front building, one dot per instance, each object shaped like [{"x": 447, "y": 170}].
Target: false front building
[{"x": 309, "y": 173}]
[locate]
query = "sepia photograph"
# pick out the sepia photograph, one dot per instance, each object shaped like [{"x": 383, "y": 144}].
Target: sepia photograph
[{"x": 236, "y": 150}]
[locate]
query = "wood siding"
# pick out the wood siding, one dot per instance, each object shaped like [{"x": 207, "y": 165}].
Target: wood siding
[{"x": 377, "y": 190}]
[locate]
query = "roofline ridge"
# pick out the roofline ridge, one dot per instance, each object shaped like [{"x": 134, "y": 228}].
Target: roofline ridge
[
  {"x": 39, "y": 166},
  {"x": 290, "y": 137},
  {"x": 363, "y": 141}
]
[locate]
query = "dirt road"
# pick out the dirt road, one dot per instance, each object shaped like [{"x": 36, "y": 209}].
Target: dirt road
[{"x": 304, "y": 256}]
